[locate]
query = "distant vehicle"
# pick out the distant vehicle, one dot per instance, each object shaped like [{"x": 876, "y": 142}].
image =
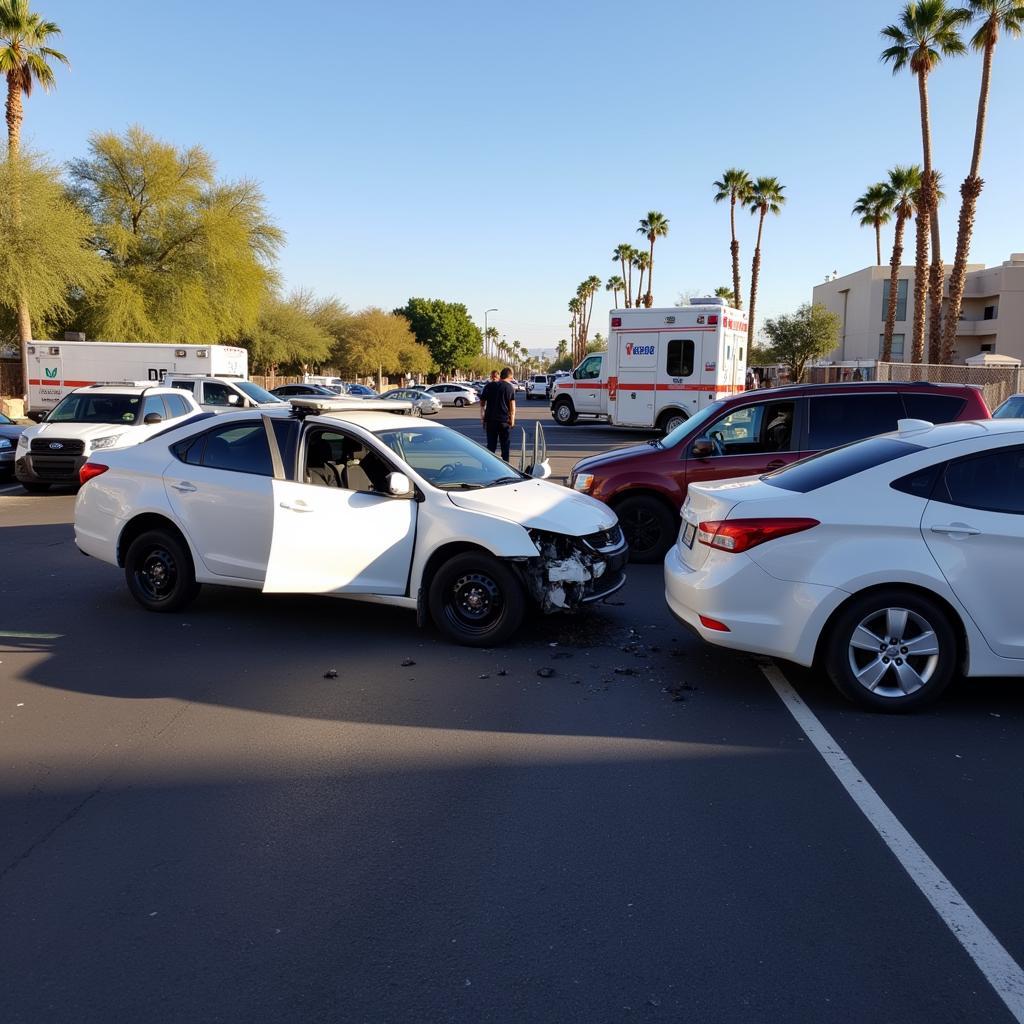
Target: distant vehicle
[
  {"x": 349, "y": 503},
  {"x": 286, "y": 391},
  {"x": 9, "y": 434},
  {"x": 93, "y": 419},
  {"x": 57, "y": 367},
  {"x": 458, "y": 395},
  {"x": 662, "y": 366},
  {"x": 1012, "y": 408},
  {"x": 750, "y": 433},
  {"x": 217, "y": 394},
  {"x": 335, "y": 384},
  {"x": 424, "y": 405},
  {"x": 895, "y": 561},
  {"x": 538, "y": 384},
  {"x": 361, "y": 391}
]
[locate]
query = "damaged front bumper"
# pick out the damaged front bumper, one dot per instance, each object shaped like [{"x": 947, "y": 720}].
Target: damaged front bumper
[{"x": 573, "y": 571}]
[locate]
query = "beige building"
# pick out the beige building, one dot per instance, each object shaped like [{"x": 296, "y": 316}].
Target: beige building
[{"x": 991, "y": 317}]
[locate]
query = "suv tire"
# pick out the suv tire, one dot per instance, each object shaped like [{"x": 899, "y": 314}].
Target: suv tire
[
  {"x": 159, "y": 571},
  {"x": 649, "y": 528},
  {"x": 476, "y": 600}
]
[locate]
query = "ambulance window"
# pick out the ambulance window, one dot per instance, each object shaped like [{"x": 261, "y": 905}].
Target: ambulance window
[
  {"x": 679, "y": 360},
  {"x": 739, "y": 353}
]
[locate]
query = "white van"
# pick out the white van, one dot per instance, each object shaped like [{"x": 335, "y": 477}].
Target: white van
[{"x": 662, "y": 366}]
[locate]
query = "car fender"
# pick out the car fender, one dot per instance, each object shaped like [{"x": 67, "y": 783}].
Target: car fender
[{"x": 619, "y": 487}]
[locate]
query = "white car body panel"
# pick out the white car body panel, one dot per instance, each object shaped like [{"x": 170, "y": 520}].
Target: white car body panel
[
  {"x": 327, "y": 540},
  {"x": 540, "y": 505}
]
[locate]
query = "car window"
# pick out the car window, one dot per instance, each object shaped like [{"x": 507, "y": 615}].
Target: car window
[
  {"x": 588, "y": 369},
  {"x": 1012, "y": 408},
  {"x": 753, "y": 429},
  {"x": 215, "y": 393},
  {"x": 679, "y": 358},
  {"x": 993, "y": 482},
  {"x": 238, "y": 447},
  {"x": 177, "y": 405},
  {"x": 153, "y": 404},
  {"x": 933, "y": 408},
  {"x": 83, "y": 407},
  {"x": 835, "y": 420},
  {"x": 838, "y": 464},
  {"x": 184, "y": 385},
  {"x": 336, "y": 459}
]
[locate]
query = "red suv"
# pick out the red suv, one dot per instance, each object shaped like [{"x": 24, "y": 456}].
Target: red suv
[{"x": 752, "y": 433}]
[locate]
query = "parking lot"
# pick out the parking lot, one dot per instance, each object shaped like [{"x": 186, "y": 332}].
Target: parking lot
[{"x": 271, "y": 808}]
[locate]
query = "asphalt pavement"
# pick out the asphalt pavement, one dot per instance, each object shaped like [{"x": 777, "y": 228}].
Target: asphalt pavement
[{"x": 201, "y": 824}]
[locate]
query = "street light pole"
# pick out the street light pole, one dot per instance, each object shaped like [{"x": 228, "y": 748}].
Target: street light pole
[{"x": 487, "y": 340}]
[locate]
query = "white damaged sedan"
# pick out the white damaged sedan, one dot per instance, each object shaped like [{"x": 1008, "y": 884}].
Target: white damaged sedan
[{"x": 348, "y": 502}]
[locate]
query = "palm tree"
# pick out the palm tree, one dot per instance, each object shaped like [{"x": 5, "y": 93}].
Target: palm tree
[
  {"x": 725, "y": 292},
  {"x": 927, "y": 31},
  {"x": 585, "y": 293},
  {"x": 765, "y": 197},
  {"x": 623, "y": 255},
  {"x": 562, "y": 349},
  {"x": 25, "y": 60},
  {"x": 642, "y": 262},
  {"x": 936, "y": 274},
  {"x": 654, "y": 225},
  {"x": 615, "y": 284},
  {"x": 734, "y": 186},
  {"x": 904, "y": 186},
  {"x": 997, "y": 15},
  {"x": 490, "y": 336},
  {"x": 874, "y": 211}
]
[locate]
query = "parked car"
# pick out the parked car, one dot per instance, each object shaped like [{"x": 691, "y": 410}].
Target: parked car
[
  {"x": 352, "y": 504},
  {"x": 9, "y": 434},
  {"x": 538, "y": 385},
  {"x": 217, "y": 394},
  {"x": 458, "y": 395},
  {"x": 96, "y": 418},
  {"x": 423, "y": 405},
  {"x": 893, "y": 561},
  {"x": 749, "y": 433},
  {"x": 361, "y": 391},
  {"x": 1012, "y": 408},
  {"x": 286, "y": 391}
]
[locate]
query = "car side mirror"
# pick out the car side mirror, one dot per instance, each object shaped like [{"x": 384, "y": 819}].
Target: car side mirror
[
  {"x": 398, "y": 485},
  {"x": 153, "y": 418},
  {"x": 702, "y": 448}
]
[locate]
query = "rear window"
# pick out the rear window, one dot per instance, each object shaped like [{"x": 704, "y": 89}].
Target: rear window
[
  {"x": 933, "y": 408},
  {"x": 828, "y": 467},
  {"x": 836, "y": 420}
]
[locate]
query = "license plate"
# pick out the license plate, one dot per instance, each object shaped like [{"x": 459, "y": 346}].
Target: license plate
[{"x": 688, "y": 534}]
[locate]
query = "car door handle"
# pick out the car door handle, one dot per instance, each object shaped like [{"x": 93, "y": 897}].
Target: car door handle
[
  {"x": 185, "y": 487},
  {"x": 775, "y": 464},
  {"x": 962, "y": 528},
  {"x": 299, "y": 506}
]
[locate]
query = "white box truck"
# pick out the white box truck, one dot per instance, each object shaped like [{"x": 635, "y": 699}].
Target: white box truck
[
  {"x": 662, "y": 365},
  {"x": 57, "y": 367}
]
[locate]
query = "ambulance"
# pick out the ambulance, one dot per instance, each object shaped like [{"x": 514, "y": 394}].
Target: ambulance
[
  {"x": 57, "y": 367},
  {"x": 662, "y": 366}
]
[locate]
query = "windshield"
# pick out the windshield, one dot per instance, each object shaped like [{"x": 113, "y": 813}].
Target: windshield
[
  {"x": 1012, "y": 408},
  {"x": 92, "y": 408},
  {"x": 255, "y": 392},
  {"x": 5, "y": 421},
  {"x": 448, "y": 459},
  {"x": 693, "y": 424}
]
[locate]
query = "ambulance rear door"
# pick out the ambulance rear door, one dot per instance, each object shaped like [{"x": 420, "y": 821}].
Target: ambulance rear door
[
  {"x": 634, "y": 389},
  {"x": 679, "y": 370}
]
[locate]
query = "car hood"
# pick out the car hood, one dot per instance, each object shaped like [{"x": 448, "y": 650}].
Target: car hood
[
  {"x": 10, "y": 432},
  {"x": 589, "y": 464},
  {"x": 85, "y": 431},
  {"x": 539, "y": 505}
]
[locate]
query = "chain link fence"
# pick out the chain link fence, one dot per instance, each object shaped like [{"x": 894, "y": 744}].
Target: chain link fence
[{"x": 996, "y": 382}]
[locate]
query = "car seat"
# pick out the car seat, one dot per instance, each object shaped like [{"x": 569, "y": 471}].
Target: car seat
[
  {"x": 320, "y": 467},
  {"x": 779, "y": 431}
]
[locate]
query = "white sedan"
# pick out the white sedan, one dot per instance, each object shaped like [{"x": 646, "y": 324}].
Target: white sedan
[
  {"x": 894, "y": 562},
  {"x": 458, "y": 395},
  {"x": 423, "y": 405},
  {"x": 353, "y": 502}
]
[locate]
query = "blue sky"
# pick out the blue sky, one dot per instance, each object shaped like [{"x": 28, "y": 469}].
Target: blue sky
[{"x": 495, "y": 154}]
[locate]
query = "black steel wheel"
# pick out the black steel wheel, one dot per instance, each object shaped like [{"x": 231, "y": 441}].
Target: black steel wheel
[
  {"x": 159, "y": 572},
  {"x": 476, "y": 600},
  {"x": 649, "y": 526}
]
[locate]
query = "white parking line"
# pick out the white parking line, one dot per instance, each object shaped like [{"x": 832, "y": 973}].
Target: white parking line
[{"x": 1004, "y": 974}]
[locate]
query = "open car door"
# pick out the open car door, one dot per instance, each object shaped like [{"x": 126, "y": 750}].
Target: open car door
[{"x": 329, "y": 540}]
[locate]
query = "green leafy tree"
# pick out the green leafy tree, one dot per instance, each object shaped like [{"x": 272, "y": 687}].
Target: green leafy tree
[
  {"x": 874, "y": 209},
  {"x": 735, "y": 186},
  {"x": 287, "y": 335},
  {"x": 927, "y": 31},
  {"x": 654, "y": 226},
  {"x": 765, "y": 197},
  {"x": 46, "y": 258},
  {"x": 192, "y": 257},
  {"x": 997, "y": 16},
  {"x": 378, "y": 343},
  {"x": 725, "y": 292},
  {"x": 904, "y": 187},
  {"x": 446, "y": 329},
  {"x": 801, "y": 337}
]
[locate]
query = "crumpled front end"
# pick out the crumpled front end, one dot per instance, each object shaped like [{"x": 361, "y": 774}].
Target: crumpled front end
[{"x": 573, "y": 571}]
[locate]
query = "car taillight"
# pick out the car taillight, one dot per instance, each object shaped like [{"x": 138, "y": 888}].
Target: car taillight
[
  {"x": 89, "y": 470},
  {"x": 737, "y": 535}
]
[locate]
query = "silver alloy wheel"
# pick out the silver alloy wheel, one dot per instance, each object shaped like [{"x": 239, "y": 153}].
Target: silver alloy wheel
[{"x": 893, "y": 652}]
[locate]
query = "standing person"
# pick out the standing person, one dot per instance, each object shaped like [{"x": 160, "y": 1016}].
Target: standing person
[{"x": 498, "y": 411}]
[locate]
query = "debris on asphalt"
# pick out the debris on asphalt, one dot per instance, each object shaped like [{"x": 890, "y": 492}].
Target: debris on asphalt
[
  {"x": 331, "y": 673},
  {"x": 502, "y": 672},
  {"x": 483, "y": 675},
  {"x": 624, "y": 671},
  {"x": 545, "y": 673},
  {"x": 406, "y": 662}
]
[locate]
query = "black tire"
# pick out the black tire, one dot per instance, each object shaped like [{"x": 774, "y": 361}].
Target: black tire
[
  {"x": 668, "y": 421},
  {"x": 476, "y": 601},
  {"x": 416, "y": 411},
  {"x": 31, "y": 487},
  {"x": 563, "y": 412},
  {"x": 459, "y": 402},
  {"x": 894, "y": 678},
  {"x": 159, "y": 572},
  {"x": 649, "y": 526}
]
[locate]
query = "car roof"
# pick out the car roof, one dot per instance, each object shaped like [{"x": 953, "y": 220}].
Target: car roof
[
  {"x": 127, "y": 389},
  {"x": 853, "y": 386},
  {"x": 929, "y": 435}
]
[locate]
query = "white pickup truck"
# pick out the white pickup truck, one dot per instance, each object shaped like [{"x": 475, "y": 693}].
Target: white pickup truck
[{"x": 221, "y": 394}]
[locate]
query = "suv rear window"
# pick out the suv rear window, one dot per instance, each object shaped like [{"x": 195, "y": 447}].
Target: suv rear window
[
  {"x": 835, "y": 420},
  {"x": 828, "y": 467},
  {"x": 933, "y": 408}
]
